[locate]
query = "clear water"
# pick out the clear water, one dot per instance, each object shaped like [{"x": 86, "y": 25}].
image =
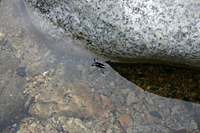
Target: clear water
[{"x": 58, "y": 70}]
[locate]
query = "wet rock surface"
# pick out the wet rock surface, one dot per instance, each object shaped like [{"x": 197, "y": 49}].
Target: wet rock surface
[{"x": 135, "y": 31}]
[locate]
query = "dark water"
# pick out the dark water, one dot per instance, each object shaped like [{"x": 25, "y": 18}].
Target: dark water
[{"x": 163, "y": 80}]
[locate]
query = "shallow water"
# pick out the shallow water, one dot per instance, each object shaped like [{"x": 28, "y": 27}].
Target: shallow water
[{"x": 56, "y": 88}]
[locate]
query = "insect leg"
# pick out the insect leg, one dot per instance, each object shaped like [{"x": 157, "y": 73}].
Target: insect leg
[
  {"x": 93, "y": 71},
  {"x": 102, "y": 71}
]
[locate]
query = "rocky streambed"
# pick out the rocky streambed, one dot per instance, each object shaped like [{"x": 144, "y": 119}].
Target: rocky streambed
[{"x": 48, "y": 84}]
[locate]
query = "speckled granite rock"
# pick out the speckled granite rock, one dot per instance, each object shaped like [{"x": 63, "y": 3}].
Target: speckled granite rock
[{"x": 131, "y": 30}]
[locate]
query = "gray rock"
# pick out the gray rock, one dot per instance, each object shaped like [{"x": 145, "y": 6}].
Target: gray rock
[
  {"x": 131, "y": 30},
  {"x": 131, "y": 98},
  {"x": 148, "y": 128}
]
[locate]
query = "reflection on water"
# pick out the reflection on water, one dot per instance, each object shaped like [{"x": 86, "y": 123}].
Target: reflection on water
[{"x": 65, "y": 95}]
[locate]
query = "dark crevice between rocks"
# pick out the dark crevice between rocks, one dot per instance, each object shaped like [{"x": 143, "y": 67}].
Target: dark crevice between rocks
[{"x": 167, "y": 81}]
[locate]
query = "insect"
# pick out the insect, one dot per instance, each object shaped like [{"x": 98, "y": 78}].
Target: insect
[{"x": 98, "y": 64}]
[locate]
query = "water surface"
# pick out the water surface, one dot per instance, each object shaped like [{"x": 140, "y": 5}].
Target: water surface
[{"x": 60, "y": 90}]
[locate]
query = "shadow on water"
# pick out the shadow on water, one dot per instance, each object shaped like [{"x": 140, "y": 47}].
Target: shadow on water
[
  {"x": 70, "y": 92},
  {"x": 166, "y": 81}
]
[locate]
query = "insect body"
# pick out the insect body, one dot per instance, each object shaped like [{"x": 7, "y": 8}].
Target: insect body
[{"x": 98, "y": 65}]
